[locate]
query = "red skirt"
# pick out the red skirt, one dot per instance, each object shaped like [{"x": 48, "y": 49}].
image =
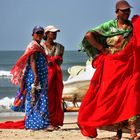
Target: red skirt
[{"x": 114, "y": 92}]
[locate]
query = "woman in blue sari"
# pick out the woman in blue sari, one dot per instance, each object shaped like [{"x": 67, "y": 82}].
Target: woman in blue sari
[{"x": 31, "y": 73}]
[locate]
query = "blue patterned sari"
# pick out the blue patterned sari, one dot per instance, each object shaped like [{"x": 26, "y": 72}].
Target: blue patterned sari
[{"x": 37, "y": 116}]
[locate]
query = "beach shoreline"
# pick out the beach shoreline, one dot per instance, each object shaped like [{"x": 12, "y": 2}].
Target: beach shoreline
[{"x": 69, "y": 131}]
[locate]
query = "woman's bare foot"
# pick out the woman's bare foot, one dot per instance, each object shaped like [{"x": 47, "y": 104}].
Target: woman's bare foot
[
  {"x": 56, "y": 127},
  {"x": 49, "y": 128}
]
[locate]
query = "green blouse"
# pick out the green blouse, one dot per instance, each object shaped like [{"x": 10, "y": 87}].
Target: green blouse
[{"x": 105, "y": 34}]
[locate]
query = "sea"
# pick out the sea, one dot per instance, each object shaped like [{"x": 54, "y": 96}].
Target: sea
[{"x": 9, "y": 58}]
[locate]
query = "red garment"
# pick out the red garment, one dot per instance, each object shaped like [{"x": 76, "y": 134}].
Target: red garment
[
  {"x": 18, "y": 69},
  {"x": 12, "y": 125},
  {"x": 114, "y": 92},
  {"x": 55, "y": 88}
]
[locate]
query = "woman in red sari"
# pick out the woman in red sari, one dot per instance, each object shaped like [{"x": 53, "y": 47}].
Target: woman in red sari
[
  {"x": 114, "y": 92},
  {"x": 54, "y": 52}
]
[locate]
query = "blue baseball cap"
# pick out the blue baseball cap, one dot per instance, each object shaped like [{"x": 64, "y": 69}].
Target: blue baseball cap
[{"x": 38, "y": 29}]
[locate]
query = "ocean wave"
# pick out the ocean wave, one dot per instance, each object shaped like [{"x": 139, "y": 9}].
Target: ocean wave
[
  {"x": 5, "y": 104},
  {"x": 5, "y": 74}
]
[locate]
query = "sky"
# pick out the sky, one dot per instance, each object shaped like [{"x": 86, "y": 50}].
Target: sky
[{"x": 72, "y": 17}]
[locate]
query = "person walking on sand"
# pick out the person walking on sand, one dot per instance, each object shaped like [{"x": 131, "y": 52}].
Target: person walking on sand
[
  {"x": 114, "y": 92},
  {"x": 54, "y": 52}
]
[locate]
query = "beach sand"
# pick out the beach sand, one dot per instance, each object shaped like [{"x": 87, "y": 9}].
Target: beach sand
[{"x": 69, "y": 131}]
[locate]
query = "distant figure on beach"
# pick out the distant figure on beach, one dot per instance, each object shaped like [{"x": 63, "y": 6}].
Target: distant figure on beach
[
  {"x": 113, "y": 96},
  {"x": 31, "y": 73},
  {"x": 54, "y": 52}
]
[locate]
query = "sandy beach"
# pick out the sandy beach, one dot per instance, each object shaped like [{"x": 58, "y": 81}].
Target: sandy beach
[{"x": 69, "y": 131}]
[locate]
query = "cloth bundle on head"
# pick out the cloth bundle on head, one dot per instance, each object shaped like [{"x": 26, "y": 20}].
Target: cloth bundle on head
[
  {"x": 38, "y": 29},
  {"x": 51, "y": 28},
  {"x": 122, "y": 5}
]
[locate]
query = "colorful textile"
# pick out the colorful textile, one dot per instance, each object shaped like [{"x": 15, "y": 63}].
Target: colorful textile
[
  {"x": 55, "y": 83},
  {"x": 18, "y": 69},
  {"x": 114, "y": 92},
  {"x": 37, "y": 117},
  {"x": 12, "y": 125},
  {"x": 102, "y": 34},
  {"x": 56, "y": 50},
  {"x": 55, "y": 89}
]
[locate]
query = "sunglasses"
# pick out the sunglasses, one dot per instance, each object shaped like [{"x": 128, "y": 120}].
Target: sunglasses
[{"x": 40, "y": 33}]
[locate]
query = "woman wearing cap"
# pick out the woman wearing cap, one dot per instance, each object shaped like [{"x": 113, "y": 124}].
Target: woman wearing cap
[
  {"x": 31, "y": 73},
  {"x": 114, "y": 91},
  {"x": 54, "y": 52}
]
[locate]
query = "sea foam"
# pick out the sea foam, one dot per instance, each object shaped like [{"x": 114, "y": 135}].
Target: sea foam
[{"x": 5, "y": 74}]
